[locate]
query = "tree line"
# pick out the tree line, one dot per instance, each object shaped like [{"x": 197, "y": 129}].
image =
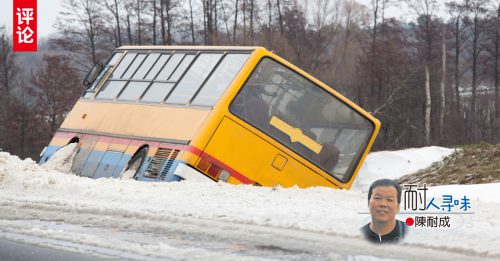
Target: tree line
[{"x": 431, "y": 80}]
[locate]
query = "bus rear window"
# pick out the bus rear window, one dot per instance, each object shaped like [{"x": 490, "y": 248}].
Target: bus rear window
[{"x": 304, "y": 117}]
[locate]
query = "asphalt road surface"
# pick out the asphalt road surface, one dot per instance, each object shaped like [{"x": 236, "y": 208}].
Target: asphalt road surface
[
  {"x": 56, "y": 234},
  {"x": 16, "y": 251}
]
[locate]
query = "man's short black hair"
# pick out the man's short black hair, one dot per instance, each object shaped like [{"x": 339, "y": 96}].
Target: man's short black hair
[{"x": 385, "y": 183}]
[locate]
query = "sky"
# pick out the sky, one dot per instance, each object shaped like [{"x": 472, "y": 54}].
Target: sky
[{"x": 48, "y": 11}]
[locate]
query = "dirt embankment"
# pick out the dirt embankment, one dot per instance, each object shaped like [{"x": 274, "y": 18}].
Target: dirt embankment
[{"x": 470, "y": 164}]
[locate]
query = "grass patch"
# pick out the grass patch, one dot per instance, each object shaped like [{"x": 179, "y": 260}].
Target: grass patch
[{"x": 470, "y": 164}]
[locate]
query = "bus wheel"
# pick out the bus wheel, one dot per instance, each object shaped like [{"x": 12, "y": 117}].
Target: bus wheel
[{"x": 134, "y": 165}]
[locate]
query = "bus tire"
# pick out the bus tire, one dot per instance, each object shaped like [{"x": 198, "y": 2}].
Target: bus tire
[{"x": 134, "y": 164}]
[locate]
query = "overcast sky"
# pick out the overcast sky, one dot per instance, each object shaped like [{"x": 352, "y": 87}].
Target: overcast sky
[
  {"x": 47, "y": 13},
  {"x": 49, "y": 9}
]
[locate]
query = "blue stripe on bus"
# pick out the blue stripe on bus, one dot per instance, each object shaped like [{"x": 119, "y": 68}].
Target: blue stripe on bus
[
  {"x": 91, "y": 164},
  {"x": 104, "y": 164},
  {"x": 109, "y": 164},
  {"x": 121, "y": 165}
]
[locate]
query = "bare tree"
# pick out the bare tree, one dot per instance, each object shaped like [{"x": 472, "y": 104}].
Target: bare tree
[
  {"x": 244, "y": 10},
  {"x": 476, "y": 28},
  {"x": 235, "y": 21},
  {"x": 269, "y": 15},
  {"x": 8, "y": 67},
  {"x": 191, "y": 21},
  {"x": 225, "y": 18},
  {"x": 114, "y": 7},
  {"x": 395, "y": 76},
  {"x": 209, "y": 21},
  {"x": 378, "y": 9},
  {"x": 57, "y": 86},
  {"x": 154, "y": 21},
  {"x": 457, "y": 11},
  {"x": 496, "y": 120},
  {"x": 128, "y": 21},
  {"x": 442, "y": 84},
  {"x": 375, "y": 7},
  {"x": 80, "y": 28},
  {"x": 280, "y": 15},
  {"x": 252, "y": 9},
  {"x": 425, "y": 9},
  {"x": 138, "y": 11},
  {"x": 9, "y": 70},
  {"x": 20, "y": 120}
]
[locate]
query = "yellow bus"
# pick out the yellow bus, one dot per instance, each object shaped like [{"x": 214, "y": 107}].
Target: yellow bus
[{"x": 241, "y": 115}]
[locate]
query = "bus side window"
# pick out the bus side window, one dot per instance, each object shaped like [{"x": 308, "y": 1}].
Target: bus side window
[
  {"x": 110, "y": 65},
  {"x": 93, "y": 87}
]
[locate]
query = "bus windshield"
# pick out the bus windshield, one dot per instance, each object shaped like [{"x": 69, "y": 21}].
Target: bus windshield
[{"x": 303, "y": 117}]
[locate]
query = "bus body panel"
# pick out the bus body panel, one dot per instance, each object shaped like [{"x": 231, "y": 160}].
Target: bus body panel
[
  {"x": 59, "y": 140},
  {"x": 135, "y": 120},
  {"x": 105, "y": 156},
  {"x": 108, "y": 164}
]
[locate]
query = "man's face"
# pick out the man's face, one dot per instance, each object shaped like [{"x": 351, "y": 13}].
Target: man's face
[{"x": 383, "y": 204}]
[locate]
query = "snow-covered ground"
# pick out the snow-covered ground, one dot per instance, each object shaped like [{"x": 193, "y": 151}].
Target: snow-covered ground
[
  {"x": 217, "y": 221},
  {"x": 394, "y": 164}
]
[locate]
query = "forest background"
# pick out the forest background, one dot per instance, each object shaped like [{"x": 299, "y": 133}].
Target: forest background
[{"x": 432, "y": 80}]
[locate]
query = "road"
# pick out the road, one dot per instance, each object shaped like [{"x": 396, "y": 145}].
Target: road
[
  {"x": 15, "y": 251},
  {"x": 55, "y": 232}
]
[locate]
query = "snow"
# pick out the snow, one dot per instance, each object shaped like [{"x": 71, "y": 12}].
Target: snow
[
  {"x": 29, "y": 193},
  {"x": 61, "y": 160},
  {"x": 395, "y": 164},
  {"x": 479, "y": 192}
]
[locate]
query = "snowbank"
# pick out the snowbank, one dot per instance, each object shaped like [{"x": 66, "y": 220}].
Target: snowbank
[
  {"x": 61, "y": 159},
  {"x": 395, "y": 164},
  {"x": 323, "y": 210}
]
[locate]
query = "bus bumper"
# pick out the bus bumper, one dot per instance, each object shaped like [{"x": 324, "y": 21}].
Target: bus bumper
[{"x": 189, "y": 173}]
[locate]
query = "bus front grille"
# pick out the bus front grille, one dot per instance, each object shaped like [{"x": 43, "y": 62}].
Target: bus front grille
[{"x": 161, "y": 163}]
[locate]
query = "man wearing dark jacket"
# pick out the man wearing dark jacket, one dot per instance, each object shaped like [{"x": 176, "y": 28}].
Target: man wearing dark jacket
[{"x": 384, "y": 197}]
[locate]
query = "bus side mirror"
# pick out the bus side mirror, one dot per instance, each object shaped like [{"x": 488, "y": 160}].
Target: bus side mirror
[{"x": 92, "y": 75}]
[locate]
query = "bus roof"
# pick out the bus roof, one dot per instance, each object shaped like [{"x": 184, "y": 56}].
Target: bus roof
[{"x": 188, "y": 47}]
